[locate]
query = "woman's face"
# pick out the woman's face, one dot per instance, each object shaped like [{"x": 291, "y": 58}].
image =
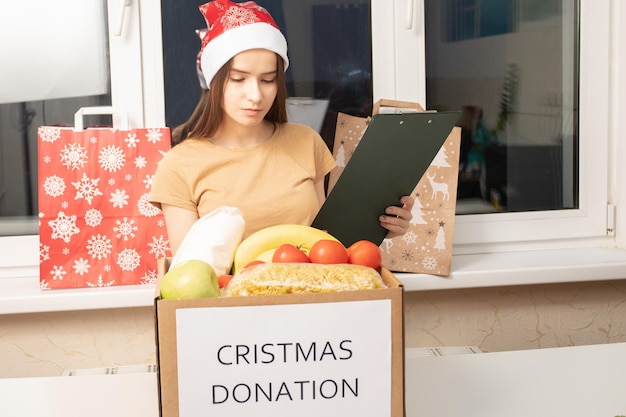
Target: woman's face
[{"x": 251, "y": 87}]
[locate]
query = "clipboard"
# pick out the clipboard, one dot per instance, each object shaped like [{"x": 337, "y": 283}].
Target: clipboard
[{"x": 390, "y": 159}]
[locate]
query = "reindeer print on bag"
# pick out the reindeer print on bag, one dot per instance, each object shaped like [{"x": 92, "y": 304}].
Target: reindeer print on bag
[{"x": 438, "y": 187}]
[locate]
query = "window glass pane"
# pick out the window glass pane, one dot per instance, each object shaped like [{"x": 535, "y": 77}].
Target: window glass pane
[
  {"x": 511, "y": 66},
  {"x": 46, "y": 75},
  {"x": 329, "y": 51}
]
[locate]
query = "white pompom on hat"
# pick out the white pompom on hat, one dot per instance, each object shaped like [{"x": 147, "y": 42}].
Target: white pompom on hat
[{"x": 234, "y": 28}]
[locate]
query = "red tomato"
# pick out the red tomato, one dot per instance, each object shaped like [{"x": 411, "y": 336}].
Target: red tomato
[
  {"x": 253, "y": 263},
  {"x": 365, "y": 253},
  {"x": 288, "y": 253},
  {"x": 327, "y": 251},
  {"x": 223, "y": 280}
]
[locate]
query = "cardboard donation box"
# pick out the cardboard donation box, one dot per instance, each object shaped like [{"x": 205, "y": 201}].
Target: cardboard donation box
[{"x": 322, "y": 354}]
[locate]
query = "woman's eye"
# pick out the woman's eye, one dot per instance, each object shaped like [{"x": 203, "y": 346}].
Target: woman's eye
[
  {"x": 268, "y": 80},
  {"x": 236, "y": 79}
]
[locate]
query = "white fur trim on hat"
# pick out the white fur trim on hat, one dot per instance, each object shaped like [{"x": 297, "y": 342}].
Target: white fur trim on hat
[{"x": 230, "y": 43}]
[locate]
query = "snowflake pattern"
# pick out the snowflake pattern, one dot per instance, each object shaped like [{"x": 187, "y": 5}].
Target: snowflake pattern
[
  {"x": 63, "y": 227},
  {"x": 44, "y": 252},
  {"x": 87, "y": 188},
  {"x": 429, "y": 263},
  {"x": 125, "y": 228},
  {"x": 237, "y": 16},
  {"x": 57, "y": 273},
  {"x": 131, "y": 140},
  {"x": 150, "y": 277},
  {"x": 140, "y": 162},
  {"x": 100, "y": 283},
  {"x": 407, "y": 254},
  {"x": 391, "y": 263},
  {"x": 128, "y": 259},
  {"x": 159, "y": 246},
  {"x": 49, "y": 134},
  {"x": 99, "y": 247},
  {"x": 119, "y": 198},
  {"x": 93, "y": 217},
  {"x": 111, "y": 158},
  {"x": 146, "y": 208},
  {"x": 73, "y": 156},
  {"x": 81, "y": 266},
  {"x": 154, "y": 135},
  {"x": 54, "y": 186},
  {"x": 103, "y": 232},
  {"x": 409, "y": 237},
  {"x": 148, "y": 181}
]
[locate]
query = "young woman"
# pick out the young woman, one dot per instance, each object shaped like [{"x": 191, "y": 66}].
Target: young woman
[{"x": 240, "y": 150}]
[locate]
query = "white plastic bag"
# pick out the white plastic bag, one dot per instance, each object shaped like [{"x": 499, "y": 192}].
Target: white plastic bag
[{"x": 213, "y": 238}]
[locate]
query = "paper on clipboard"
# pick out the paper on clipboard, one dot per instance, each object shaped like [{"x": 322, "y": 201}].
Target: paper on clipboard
[{"x": 393, "y": 154}]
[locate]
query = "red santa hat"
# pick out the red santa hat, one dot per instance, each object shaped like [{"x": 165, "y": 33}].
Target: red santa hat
[{"x": 236, "y": 27}]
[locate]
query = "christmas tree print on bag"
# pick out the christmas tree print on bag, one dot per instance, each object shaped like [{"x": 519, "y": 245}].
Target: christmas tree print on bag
[{"x": 96, "y": 226}]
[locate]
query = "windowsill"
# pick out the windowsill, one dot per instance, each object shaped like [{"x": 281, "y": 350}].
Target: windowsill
[
  {"x": 22, "y": 294},
  {"x": 555, "y": 266}
]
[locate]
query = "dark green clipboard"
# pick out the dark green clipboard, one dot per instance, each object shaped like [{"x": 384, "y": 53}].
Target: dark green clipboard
[{"x": 392, "y": 156}]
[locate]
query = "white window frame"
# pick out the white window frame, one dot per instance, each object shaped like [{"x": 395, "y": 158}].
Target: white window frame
[
  {"x": 20, "y": 254},
  {"x": 511, "y": 231},
  {"x": 543, "y": 247}
]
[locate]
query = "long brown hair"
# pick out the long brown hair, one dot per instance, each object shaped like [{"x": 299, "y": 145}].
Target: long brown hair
[
  {"x": 208, "y": 115},
  {"x": 181, "y": 132}
]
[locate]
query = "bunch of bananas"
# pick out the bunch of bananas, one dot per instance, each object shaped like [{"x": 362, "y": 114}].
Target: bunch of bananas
[{"x": 260, "y": 246}]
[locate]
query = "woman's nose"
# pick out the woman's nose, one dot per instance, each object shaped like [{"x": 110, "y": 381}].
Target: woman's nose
[{"x": 253, "y": 91}]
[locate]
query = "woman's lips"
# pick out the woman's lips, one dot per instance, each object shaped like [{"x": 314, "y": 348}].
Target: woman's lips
[{"x": 252, "y": 112}]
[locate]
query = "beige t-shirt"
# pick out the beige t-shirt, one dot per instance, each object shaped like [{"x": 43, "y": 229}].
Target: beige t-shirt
[{"x": 272, "y": 183}]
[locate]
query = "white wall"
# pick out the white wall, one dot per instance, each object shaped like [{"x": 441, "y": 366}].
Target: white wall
[{"x": 494, "y": 319}]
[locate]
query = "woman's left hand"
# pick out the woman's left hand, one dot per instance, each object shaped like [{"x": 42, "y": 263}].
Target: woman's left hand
[{"x": 396, "y": 219}]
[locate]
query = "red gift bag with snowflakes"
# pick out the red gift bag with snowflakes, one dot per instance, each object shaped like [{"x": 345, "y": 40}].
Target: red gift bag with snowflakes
[{"x": 96, "y": 226}]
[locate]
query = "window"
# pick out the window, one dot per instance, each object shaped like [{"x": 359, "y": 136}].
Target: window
[
  {"x": 329, "y": 51},
  {"x": 554, "y": 102},
  {"x": 573, "y": 117},
  {"x": 51, "y": 85},
  {"x": 400, "y": 48},
  {"x": 94, "y": 65},
  {"x": 517, "y": 87},
  {"x": 469, "y": 19},
  {"x": 48, "y": 74}
]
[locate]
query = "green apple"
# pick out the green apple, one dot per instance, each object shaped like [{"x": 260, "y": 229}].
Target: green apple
[{"x": 190, "y": 279}]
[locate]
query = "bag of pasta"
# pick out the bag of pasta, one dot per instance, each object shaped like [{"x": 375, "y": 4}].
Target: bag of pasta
[{"x": 298, "y": 278}]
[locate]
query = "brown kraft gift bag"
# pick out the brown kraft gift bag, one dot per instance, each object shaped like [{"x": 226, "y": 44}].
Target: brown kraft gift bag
[{"x": 427, "y": 246}]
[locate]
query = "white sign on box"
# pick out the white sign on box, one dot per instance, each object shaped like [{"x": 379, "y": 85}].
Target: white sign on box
[{"x": 321, "y": 359}]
